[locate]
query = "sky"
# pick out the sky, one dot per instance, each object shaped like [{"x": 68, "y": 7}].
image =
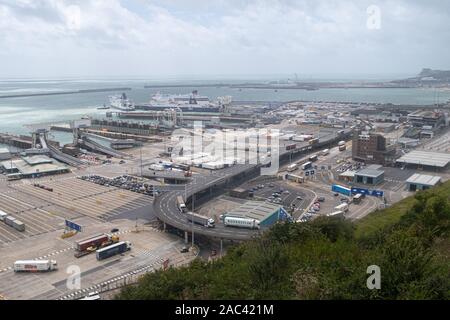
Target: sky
[{"x": 145, "y": 38}]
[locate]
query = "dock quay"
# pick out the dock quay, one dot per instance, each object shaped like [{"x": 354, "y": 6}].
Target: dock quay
[
  {"x": 24, "y": 95},
  {"x": 186, "y": 116},
  {"x": 123, "y": 136},
  {"x": 22, "y": 142}
]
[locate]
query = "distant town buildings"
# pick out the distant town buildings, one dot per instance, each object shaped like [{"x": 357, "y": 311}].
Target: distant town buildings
[{"x": 426, "y": 118}]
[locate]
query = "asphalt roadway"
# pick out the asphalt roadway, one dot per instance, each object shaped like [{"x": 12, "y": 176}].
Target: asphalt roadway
[{"x": 166, "y": 209}]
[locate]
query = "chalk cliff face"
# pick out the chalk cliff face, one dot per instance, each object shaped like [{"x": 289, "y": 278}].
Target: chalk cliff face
[
  {"x": 436, "y": 74},
  {"x": 427, "y": 77}
]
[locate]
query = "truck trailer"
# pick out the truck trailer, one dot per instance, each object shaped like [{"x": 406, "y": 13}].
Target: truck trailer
[
  {"x": 93, "y": 241},
  {"x": 181, "y": 205},
  {"x": 112, "y": 250},
  {"x": 201, "y": 220},
  {"x": 341, "y": 189},
  {"x": 10, "y": 221},
  {"x": 18, "y": 225},
  {"x": 35, "y": 265},
  {"x": 241, "y": 222},
  {"x": 89, "y": 245},
  {"x": 3, "y": 215},
  {"x": 342, "y": 207}
]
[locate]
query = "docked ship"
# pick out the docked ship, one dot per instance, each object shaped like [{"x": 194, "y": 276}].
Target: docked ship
[
  {"x": 186, "y": 103},
  {"x": 121, "y": 102}
]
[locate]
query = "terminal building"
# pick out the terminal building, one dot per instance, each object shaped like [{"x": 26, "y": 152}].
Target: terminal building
[
  {"x": 422, "y": 182},
  {"x": 426, "y": 118},
  {"x": 372, "y": 175},
  {"x": 33, "y": 166},
  {"x": 4, "y": 154},
  {"x": 372, "y": 148},
  {"x": 266, "y": 213},
  {"x": 425, "y": 160}
]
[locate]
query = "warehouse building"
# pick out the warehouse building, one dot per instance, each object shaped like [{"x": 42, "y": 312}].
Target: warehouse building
[
  {"x": 422, "y": 182},
  {"x": 239, "y": 193},
  {"x": 372, "y": 175},
  {"x": 266, "y": 213},
  {"x": 425, "y": 159},
  {"x": 4, "y": 154},
  {"x": 29, "y": 167},
  {"x": 429, "y": 118}
]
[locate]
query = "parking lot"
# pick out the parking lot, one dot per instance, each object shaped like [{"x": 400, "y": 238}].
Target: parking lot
[
  {"x": 440, "y": 143},
  {"x": 74, "y": 195},
  {"x": 150, "y": 248}
]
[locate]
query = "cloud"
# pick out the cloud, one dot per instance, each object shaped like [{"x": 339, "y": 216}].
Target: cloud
[{"x": 139, "y": 37}]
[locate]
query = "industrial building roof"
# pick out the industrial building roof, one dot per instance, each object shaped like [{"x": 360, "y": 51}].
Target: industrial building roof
[
  {"x": 348, "y": 173},
  {"x": 258, "y": 210},
  {"x": 27, "y": 169},
  {"x": 369, "y": 172},
  {"x": 424, "y": 179},
  {"x": 39, "y": 159},
  {"x": 427, "y": 158},
  {"x": 8, "y": 165}
]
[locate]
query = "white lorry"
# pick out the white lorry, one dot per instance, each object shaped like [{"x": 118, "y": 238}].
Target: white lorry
[
  {"x": 181, "y": 205},
  {"x": 35, "y": 265},
  {"x": 241, "y": 222},
  {"x": 201, "y": 220},
  {"x": 342, "y": 207}
]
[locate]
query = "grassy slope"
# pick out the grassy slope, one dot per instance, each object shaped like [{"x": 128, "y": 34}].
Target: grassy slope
[
  {"x": 381, "y": 219},
  {"x": 321, "y": 260}
]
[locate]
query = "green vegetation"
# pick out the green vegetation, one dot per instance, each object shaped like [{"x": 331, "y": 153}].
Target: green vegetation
[{"x": 326, "y": 259}]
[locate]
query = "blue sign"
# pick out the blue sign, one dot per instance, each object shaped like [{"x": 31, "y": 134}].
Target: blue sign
[
  {"x": 306, "y": 173},
  {"x": 312, "y": 172},
  {"x": 360, "y": 190},
  {"x": 73, "y": 226},
  {"x": 377, "y": 193}
]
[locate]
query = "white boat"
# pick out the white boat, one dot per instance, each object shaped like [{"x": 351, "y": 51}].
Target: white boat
[
  {"x": 185, "y": 102},
  {"x": 121, "y": 102}
]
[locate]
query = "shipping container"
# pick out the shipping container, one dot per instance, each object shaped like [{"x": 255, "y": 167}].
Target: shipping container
[
  {"x": 341, "y": 189},
  {"x": 336, "y": 214},
  {"x": 18, "y": 225},
  {"x": 241, "y": 222},
  {"x": 113, "y": 250},
  {"x": 94, "y": 241},
  {"x": 342, "y": 207},
  {"x": 10, "y": 221},
  {"x": 201, "y": 220},
  {"x": 35, "y": 265},
  {"x": 181, "y": 205}
]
